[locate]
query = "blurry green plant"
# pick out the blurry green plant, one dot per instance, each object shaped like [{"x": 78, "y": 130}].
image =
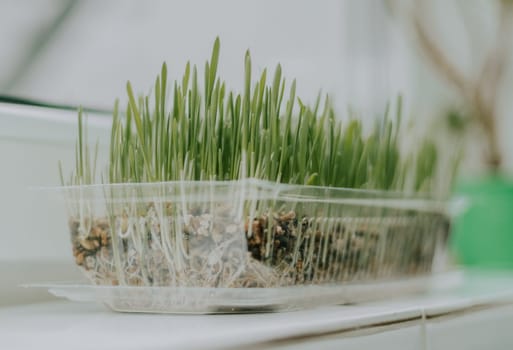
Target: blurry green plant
[{"x": 265, "y": 133}]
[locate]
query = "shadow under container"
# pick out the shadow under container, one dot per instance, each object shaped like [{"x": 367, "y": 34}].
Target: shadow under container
[{"x": 207, "y": 246}]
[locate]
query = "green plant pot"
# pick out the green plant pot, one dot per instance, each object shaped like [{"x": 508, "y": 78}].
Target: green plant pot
[{"x": 483, "y": 234}]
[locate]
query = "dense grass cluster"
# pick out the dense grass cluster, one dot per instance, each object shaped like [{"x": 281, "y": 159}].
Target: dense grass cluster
[{"x": 209, "y": 132}]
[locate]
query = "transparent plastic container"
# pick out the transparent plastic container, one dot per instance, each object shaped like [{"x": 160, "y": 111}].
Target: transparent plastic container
[{"x": 218, "y": 246}]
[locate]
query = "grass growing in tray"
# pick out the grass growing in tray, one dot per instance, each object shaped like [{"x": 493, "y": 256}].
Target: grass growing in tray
[
  {"x": 194, "y": 130},
  {"x": 189, "y": 131}
]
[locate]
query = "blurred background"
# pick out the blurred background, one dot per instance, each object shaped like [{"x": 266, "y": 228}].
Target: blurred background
[
  {"x": 58, "y": 54},
  {"x": 78, "y": 52}
]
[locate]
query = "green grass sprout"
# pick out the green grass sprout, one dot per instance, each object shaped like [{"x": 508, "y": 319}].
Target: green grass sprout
[{"x": 209, "y": 132}]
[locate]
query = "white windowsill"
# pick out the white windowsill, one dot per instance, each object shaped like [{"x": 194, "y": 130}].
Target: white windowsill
[
  {"x": 478, "y": 311},
  {"x": 41, "y": 124}
]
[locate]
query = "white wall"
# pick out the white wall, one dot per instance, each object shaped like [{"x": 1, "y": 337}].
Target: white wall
[
  {"x": 33, "y": 223},
  {"x": 32, "y": 142},
  {"x": 103, "y": 44},
  {"x": 346, "y": 48}
]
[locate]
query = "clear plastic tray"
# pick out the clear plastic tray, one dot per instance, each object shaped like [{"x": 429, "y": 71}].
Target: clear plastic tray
[
  {"x": 241, "y": 300},
  {"x": 211, "y": 242}
]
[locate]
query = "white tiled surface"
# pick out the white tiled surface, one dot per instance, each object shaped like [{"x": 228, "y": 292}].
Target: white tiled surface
[
  {"x": 406, "y": 337},
  {"x": 478, "y": 312},
  {"x": 485, "y": 329},
  {"x": 64, "y": 323}
]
